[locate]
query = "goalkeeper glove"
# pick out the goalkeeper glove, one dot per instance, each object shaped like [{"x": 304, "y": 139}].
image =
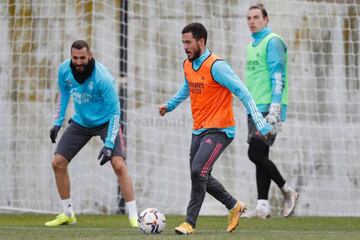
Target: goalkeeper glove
[
  {"x": 105, "y": 155},
  {"x": 54, "y": 132},
  {"x": 273, "y": 118}
]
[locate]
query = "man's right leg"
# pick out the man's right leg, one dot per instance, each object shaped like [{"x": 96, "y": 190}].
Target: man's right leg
[
  {"x": 186, "y": 227},
  {"x": 266, "y": 171},
  {"x": 259, "y": 155},
  {"x": 205, "y": 150},
  {"x": 73, "y": 139},
  {"x": 218, "y": 191},
  {"x": 59, "y": 165}
]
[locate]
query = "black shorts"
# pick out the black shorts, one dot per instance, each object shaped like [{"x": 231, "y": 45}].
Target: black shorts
[
  {"x": 254, "y": 133},
  {"x": 76, "y": 136}
]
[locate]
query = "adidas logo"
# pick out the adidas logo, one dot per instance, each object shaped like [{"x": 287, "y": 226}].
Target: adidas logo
[{"x": 208, "y": 141}]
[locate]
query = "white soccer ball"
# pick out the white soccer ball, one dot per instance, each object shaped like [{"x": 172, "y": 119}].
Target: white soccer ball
[{"x": 151, "y": 221}]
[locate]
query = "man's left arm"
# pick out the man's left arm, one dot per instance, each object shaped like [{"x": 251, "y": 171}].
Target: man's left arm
[
  {"x": 276, "y": 61},
  {"x": 112, "y": 102},
  {"x": 225, "y": 76},
  {"x": 113, "y": 106}
]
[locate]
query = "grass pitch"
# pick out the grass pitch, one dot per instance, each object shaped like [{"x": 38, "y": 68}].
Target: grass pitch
[{"x": 30, "y": 226}]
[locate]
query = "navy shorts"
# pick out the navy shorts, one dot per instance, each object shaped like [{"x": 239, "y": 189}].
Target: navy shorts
[
  {"x": 254, "y": 133},
  {"x": 76, "y": 136}
]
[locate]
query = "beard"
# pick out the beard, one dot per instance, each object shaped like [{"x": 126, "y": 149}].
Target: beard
[
  {"x": 81, "y": 76},
  {"x": 196, "y": 54}
]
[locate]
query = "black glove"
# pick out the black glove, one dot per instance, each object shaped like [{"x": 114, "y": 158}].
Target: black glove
[
  {"x": 105, "y": 155},
  {"x": 54, "y": 132}
]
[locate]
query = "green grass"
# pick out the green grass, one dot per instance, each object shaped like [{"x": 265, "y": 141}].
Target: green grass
[{"x": 28, "y": 226}]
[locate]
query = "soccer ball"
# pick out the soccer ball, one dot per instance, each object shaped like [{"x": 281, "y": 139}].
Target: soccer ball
[{"x": 151, "y": 221}]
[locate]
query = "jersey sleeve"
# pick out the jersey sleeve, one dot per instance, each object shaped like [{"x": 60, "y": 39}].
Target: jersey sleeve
[
  {"x": 179, "y": 97},
  {"x": 111, "y": 100},
  {"x": 276, "y": 61},
  {"x": 226, "y": 77},
  {"x": 63, "y": 99}
]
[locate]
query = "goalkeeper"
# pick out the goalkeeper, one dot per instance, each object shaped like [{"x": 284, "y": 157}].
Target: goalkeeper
[
  {"x": 266, "y": 79},
  {"x": 210, "y": 82},
  {"x": 97, "y": 113}
]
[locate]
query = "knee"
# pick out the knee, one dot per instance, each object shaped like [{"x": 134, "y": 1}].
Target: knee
[
  {"x": 255, "y": 153},
  {"x": 198, "y": 174},
  {"x": 258, "y": 150},
  {"x": 119, "y": 166},
  {"x": 59, "y": 163},
  {"x": 252, "y": 154}
]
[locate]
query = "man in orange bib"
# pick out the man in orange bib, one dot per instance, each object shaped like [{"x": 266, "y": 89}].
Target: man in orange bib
[{"x": 210, "y": 83}]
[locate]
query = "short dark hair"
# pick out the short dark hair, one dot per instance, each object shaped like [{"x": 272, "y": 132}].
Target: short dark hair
[
  {"x": 261, "y": 7},
  {"x": 197, "y": 29},
  {"x": 80, "y": 44}
]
